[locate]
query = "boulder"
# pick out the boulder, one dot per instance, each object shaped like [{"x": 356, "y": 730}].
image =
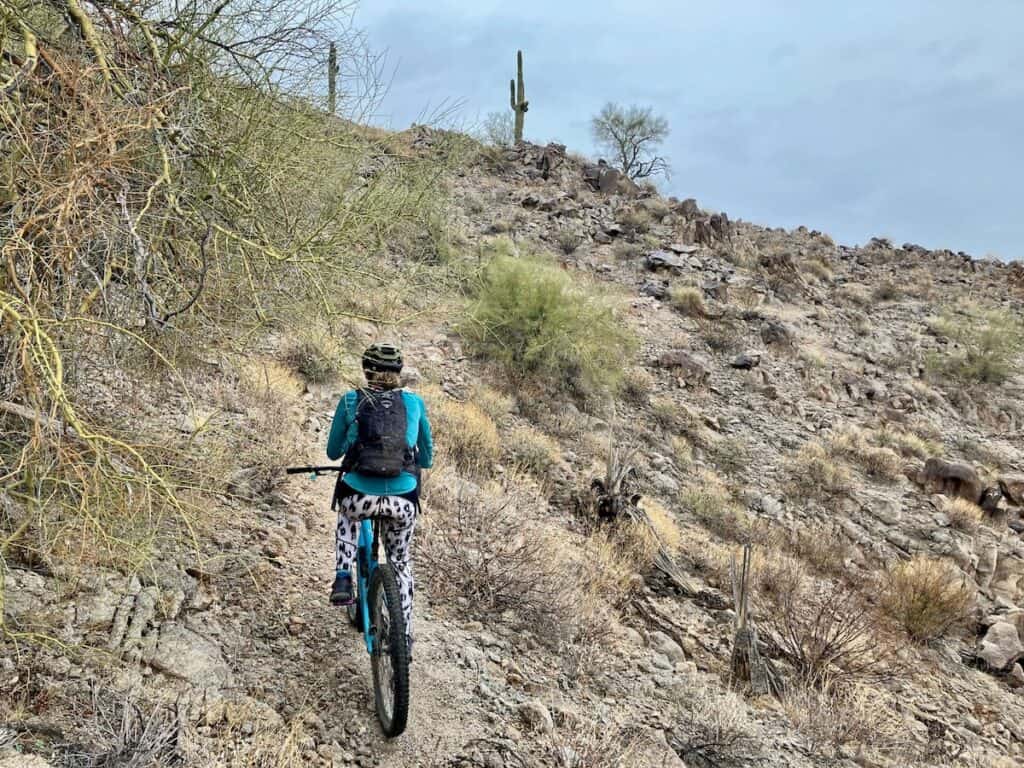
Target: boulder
[
  {"x": 189, "y": 656},
  {"x": 951, "y": 479},
  {"x": 685, "y": 365},
  {"x": 536, "y": 716},
  {"x": 746, "y": 361},
  {"x": 683, "y": 248},
  {"x": 657, "y": 290},
  {"x": 659, "y": 260},
  {"x": 775, "y": 332},
  {"x": 1001, "y": 646},
  {"x": 1012, "y": 487},
  {"x": 664, "y": 645}
]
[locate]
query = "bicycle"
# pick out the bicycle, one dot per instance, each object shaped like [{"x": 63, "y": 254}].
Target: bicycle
[{"x": 377, "y": 612}]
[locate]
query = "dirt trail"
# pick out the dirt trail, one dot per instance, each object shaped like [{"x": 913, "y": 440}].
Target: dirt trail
[{"x": 304, "y": 656}]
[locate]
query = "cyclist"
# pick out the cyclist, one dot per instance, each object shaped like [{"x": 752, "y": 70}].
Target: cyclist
[{"x": 384, "y": 435}]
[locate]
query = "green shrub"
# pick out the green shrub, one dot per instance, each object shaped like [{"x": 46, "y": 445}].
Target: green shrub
[
  {"x": 540, "y": 323},
  {"x": 986, "y": 346},
  {"x": 569, "y": 241}
]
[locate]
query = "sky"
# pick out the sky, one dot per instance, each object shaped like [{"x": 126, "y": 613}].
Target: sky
[{"x": 894, "y": 118}]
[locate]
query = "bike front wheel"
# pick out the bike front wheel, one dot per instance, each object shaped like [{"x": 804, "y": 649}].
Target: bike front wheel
[{"x": 390, "y": 657}]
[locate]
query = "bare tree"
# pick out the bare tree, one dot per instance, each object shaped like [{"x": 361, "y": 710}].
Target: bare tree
[
  {"x": 497, "y": 129},
  {"x": 632, "y": 135}
]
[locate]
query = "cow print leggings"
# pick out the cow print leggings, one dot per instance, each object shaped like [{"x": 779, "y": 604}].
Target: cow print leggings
[{"x": 399, "y": 521}]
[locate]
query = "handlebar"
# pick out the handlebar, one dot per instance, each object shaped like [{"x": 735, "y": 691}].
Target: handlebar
[{"x": 311, "y": 470}]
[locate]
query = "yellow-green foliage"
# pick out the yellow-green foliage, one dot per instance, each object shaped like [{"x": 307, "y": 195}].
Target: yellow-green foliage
[
  {"x": 985, "y": 345},
  {"x": 687, "y": 300},
  {"x": 928, "y": 597},
  {"x": 542, "y": 324}
]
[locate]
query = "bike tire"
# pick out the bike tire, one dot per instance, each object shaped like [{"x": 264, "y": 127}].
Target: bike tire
[{"x": 390, "y": 658}]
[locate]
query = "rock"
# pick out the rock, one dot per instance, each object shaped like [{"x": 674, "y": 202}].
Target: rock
[
  {"x": 717, "y": 290},
  {"x": 951, "y": 479},
  {"x": 683, "y": 248},
  {"x": 1017, "y": 675},
  {"x": 685, "y": 365},
  {"x": 659, "y": 260},
  {"x": 1012, "y": 487},
  {"x": 659, "y": 291},
  {"x": 746, "y": 361},
  {"x": 187, "y": 655},
  {"x": 689, "y": 209},
  {"x": 275, "y": 546},
  {"x": 1001, "y": 646},
  {"x": 666, "y": 646},
  {"x": 536, "y": 716},
  {"x": 775, "y": 332}
]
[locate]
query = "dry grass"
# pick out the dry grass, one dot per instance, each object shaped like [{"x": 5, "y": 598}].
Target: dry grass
[
  {"x": 533, "y": 452},
  {"x": 825, "y": 548},
  {"x": 664, "y": 523},
  {"x": 712, "y": 726},
  {"x": 907, "y": 443},
  {"x": 637, "y": 385},
  {"x": 497, "y": 405},
  {"x": 814, "y": 473},
  {"x": 688, "y": 300},
  {"x": 854, "y": 444},
  {"x": 857, "y": 715},
  {"x": 819, "y": 269},
  {"x": 730, "y": 454},
  {"x": 470, "y": 436},
  {"x": 313, "y": 360},
  {"x": 964, "y": 515},
  {"x": 709, "y": 500},
  {"x": 928, "y": 597}
]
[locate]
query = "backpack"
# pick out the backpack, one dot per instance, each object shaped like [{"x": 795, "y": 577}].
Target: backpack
[{"x": 380, "y": 449}]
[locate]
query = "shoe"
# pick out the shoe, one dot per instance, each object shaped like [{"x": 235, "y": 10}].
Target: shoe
[{"x": 341, "y": 592}]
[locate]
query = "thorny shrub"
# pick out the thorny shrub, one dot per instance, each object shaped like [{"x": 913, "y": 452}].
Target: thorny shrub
[
  {"x": 824, "y": 629},
  {"x": 711, "y": 727}
]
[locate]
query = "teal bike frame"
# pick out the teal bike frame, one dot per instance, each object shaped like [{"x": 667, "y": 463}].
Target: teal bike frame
[{"x": 366, "y": 557}]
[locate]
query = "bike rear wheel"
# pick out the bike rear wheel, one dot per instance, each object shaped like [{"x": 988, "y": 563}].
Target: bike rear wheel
[{"x": 390, "y": 657}]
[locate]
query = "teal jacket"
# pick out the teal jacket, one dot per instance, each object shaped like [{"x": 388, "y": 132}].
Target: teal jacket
[{"x": 344, "y": 433}]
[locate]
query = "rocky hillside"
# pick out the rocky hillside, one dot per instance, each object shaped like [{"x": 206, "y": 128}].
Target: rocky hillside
[{"x": 855, "y": 414}]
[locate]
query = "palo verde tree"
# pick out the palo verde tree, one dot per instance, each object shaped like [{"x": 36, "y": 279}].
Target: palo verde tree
[{"x": 631, "y": 135}]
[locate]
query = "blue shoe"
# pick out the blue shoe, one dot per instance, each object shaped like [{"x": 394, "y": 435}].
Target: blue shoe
[{"x": 341, "y": 592}]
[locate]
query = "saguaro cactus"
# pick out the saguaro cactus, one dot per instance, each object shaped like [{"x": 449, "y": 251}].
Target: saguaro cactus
[
  {"x": 332, "y": 79},
  {"x": 518, "y": 96}
]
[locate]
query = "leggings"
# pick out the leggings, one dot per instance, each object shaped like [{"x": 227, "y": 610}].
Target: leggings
[{"x": 399, "y": 515}]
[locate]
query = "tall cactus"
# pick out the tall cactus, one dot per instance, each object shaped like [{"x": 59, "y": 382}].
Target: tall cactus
[{"x": 518, "y": 97}]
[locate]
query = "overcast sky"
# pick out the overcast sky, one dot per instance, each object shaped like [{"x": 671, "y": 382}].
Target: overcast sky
[{"x": 901, "y": 118}]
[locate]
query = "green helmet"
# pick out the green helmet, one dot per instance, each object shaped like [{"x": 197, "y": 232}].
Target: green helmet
[{"x": 382, "y": 357}]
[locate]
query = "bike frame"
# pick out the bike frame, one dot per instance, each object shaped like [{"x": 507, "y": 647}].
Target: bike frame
[{"x": 366, "y": 554}]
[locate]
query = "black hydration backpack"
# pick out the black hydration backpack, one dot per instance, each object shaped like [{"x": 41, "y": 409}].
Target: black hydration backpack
[{"x": 380, "y": 450}]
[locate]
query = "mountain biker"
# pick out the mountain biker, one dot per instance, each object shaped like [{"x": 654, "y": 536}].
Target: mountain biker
[{"x": 384, "y": 435}]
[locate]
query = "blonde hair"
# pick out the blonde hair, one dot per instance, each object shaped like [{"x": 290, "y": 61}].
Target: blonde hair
[{"x": 383, "y": 379}]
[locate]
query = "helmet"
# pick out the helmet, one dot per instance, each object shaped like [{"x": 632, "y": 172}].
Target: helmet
[{"x": 382, "y": 357}]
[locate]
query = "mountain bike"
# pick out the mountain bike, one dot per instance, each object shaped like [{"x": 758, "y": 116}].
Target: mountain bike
[{"x": 377, "y": 612}]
